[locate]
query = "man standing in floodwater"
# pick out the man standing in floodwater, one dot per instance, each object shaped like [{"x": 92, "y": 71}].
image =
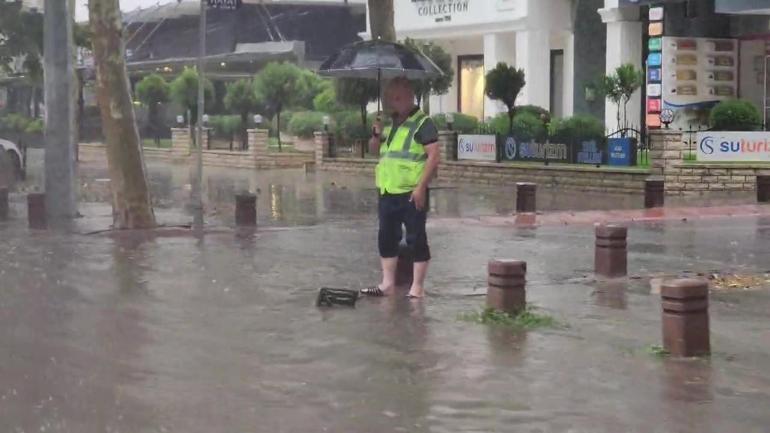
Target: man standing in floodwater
[{"x": 409, "y": 157}]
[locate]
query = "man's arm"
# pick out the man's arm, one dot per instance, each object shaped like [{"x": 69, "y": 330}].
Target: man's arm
[{"x": 431, "y": 165}]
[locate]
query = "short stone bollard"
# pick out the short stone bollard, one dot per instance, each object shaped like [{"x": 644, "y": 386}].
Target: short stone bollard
[
  {"x": 686, "y": 317},
  {"x": 763, "y": 189},
  {"x": 3, "y": 204},
  {"x": 506, "y": 289},
  {"x": 246, "y": 210},
  {"x": 405, "y": 265},
  {"x": 36, "y": 215},
  {"x": 611, "y": 255},
  {"x": 525, "y": 197},
  {"x": 654, "y": 193}
]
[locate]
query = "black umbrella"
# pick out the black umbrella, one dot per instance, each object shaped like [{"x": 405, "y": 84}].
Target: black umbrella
[{"x": 377, "y": 60}]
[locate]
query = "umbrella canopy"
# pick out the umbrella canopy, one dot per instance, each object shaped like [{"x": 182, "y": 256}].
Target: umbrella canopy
[{"x": 379, "y": 60}]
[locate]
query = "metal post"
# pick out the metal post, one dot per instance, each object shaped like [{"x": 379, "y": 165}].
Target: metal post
[
  {"x": 60, "y": 111},
  {"x": 198, "y": 217}
]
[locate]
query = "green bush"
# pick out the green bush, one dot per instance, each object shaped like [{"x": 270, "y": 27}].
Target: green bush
[
  {"x": 576, "y": 129},
  {"x": 539, "y": 112},
  {"x": 286, "y": 117},
  {"x": 304, "y": 123},
  {"x": 463, "y": 123},
  {"x": 736, "y": 115},
  {"x": 35, "y": 127},
  {"x": 225, "y": 126},
  {"x": 349, "y": 127},
  {"x": 526, "y": 127},
  {"x": 15, "y": 122}
]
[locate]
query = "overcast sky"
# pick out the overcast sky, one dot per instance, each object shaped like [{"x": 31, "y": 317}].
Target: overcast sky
[{"x": 126, "y": 5}]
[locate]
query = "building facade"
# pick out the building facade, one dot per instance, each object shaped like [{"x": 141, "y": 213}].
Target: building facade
[
  {"x": 740, "y": 70},
  {"x": 478, "y": 35}
]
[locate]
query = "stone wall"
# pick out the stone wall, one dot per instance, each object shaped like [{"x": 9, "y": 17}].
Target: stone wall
[
  {"x": 695, "y": 178},
  {"x": 258, "y": 155},
  {"x": 574, "y": 177}
]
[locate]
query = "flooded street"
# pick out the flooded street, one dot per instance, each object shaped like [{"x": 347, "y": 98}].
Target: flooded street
[{"x": 219, "y": 332}]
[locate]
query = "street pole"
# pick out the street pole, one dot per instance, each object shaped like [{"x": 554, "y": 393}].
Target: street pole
[
  {"x": 198, "y": 187},
  {"x": 59, "y": 111}
]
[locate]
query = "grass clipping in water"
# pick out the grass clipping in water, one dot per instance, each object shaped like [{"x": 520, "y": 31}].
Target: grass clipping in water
[{"x": 527, "y": 319}]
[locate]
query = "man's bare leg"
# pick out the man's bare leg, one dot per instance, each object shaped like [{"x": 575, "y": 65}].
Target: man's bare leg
[
  {"x": 418, "y": 280},
  {"x": 388, "y": 283}
]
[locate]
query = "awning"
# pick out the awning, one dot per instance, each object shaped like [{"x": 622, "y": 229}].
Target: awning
[
  {"x": 743, "y": 7},
  {"x": 217, "y": 64}
]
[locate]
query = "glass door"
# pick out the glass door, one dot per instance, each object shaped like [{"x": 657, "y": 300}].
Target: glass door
[{"x": 471, "y": 81}]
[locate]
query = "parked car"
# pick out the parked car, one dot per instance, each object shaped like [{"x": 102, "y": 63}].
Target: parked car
[{"x": 13, "y": 154}]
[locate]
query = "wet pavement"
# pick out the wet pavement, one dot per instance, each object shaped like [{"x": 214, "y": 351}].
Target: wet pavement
[{"x": 219, "y": 333}]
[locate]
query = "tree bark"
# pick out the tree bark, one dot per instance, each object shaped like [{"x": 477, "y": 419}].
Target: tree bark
[
  {"x": 131, "y": 204},
  {"x": 381, "y": 20}
]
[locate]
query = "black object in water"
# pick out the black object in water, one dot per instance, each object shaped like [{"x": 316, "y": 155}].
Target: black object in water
[{"x": 328, "y": 297}]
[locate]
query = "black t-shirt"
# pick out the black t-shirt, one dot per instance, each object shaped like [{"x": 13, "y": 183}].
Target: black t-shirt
[{"x": 428, "y": 132}]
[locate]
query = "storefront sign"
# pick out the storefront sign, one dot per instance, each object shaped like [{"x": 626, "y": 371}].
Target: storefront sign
[
  {"x": 622, "y": 151},
  {"x": 224, "y": 4},
  {"x": 513, "y": 151},
  {"x": 427, "y": 15},
  {"x": 589, "y": 153},
  {"x": 733, "y": 146},
  {"x": 430, "y": 8},
  {"x": 477, "y": 147}
]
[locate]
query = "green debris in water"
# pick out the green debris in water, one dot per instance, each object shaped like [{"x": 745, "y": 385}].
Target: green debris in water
[
  {"x": 656, "y": 350},
  {"x": 527, "y": 319}
]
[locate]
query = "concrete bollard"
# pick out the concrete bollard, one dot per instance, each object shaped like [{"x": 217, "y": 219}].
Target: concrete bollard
[
  {"x": 686, "y": 317},
  {"x": 36, "y": 215},
  {"x": 246, "y": 210},
  {"x": 3, "y": 204},
  {"x": 405, "y": 266},
  {"x": 611, "y": 255},
  {"x": 525, "y": 197},
  {"x": 654, "y": 193},
  {"x": 763, "y": 189},
  {"x": 506, "y": 289}
]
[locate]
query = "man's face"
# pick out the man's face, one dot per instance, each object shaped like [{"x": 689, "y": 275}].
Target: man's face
[{"x": 399, "y": 100}]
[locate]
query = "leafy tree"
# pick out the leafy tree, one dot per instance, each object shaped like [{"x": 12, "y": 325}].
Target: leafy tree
[
  {"x": 276, "y": 85},
  {"x": 442, "y": 59},
  {"x": 357, "y": 92},
  {"x": 504, "y": 83},
  {"x": 620, "y": 86},
  {"x": 240, "y": 99},
  {"x": 153, "y": 91},
  {"x": 309, "y": 85},
  {"x": 184, "y": 91},
  {"x": 326, "y": 101}
]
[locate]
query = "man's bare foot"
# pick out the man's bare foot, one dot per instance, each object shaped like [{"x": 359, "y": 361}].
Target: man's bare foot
[{"x": 416, "y": 293}]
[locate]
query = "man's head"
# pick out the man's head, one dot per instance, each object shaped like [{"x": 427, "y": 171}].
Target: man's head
[{"x": 399, "y": 96}]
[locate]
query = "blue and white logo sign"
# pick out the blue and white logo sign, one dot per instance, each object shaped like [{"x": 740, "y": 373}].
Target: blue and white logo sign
[
  {"x": 510, "y": 148},
  {"x": 733, "y": 146}
]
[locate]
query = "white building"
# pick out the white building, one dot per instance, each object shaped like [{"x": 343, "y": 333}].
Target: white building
[{"x": 535, "y": 35}]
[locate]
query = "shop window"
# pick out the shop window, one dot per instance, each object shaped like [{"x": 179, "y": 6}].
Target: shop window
[{"x": 471, "y": 81}]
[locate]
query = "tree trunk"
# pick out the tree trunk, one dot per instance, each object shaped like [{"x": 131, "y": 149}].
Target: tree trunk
[
  {"x": 278, "y": 120},
  {"x": 244, "y": 131},
  {"x": 131, "y": 204},
  {"x": 381, "y": 20}
]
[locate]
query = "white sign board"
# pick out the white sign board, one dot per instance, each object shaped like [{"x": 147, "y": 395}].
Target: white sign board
[
  {"x": 413, "y": 15},
  {"x": 477, "y": 147},
  {"x": 733, "y": 146}
]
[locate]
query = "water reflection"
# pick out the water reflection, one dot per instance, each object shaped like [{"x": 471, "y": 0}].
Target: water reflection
[{"x": 611, "y": 294}]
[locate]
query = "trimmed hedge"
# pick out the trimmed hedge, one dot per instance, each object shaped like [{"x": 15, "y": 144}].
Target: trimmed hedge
[
  {"x": 736, "y": 115},
  {"x": 304, "y": 123},
  {"x": 463, "y": 123},
  {"x": 576, "y": 129}
]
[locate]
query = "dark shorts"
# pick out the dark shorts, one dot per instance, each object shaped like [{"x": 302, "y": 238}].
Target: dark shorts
[{"x": 395, "y": 211}]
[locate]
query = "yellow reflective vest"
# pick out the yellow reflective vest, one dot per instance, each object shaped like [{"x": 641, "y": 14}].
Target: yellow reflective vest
[{"x": 402, "y": 158}]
